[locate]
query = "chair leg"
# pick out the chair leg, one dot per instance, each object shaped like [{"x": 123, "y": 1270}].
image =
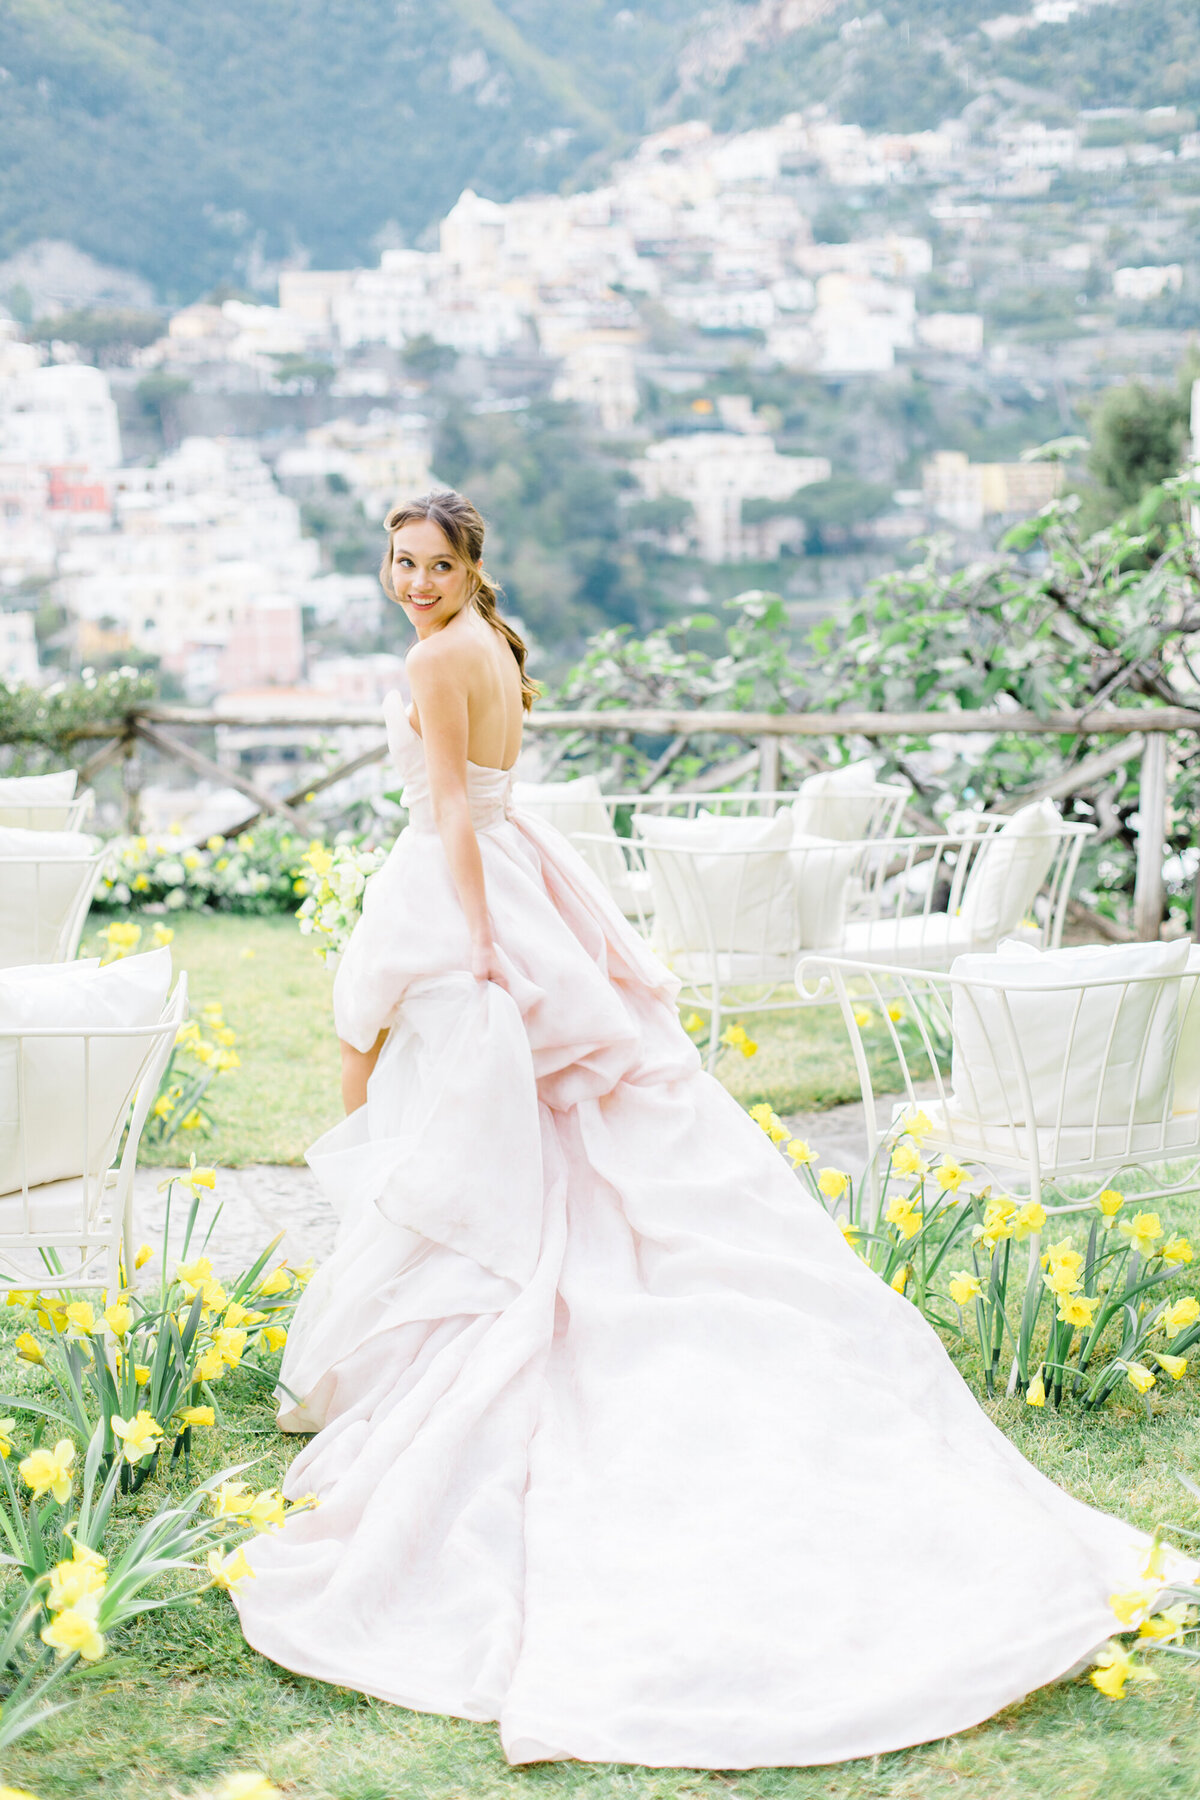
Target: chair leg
[{"x": 714, "y": 1031}]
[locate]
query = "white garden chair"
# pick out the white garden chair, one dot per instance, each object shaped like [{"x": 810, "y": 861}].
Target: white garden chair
[
  {"x": 1047, "y": 1072},
  {"x": 66, "y": 1095},
  {"x": 44, "y": 901},
  {"x": 44, "y": 802},
  {"x": 923, "y": 901}
]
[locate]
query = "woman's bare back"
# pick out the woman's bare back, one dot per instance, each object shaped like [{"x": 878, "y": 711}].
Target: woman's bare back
[{"x": 482, "y": 661}]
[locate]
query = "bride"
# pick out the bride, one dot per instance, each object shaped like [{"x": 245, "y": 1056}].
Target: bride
[{"x": 617, "y": 1442}]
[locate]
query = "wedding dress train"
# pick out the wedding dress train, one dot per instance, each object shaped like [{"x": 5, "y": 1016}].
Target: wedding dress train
[{"x": 617, "y": 1442}]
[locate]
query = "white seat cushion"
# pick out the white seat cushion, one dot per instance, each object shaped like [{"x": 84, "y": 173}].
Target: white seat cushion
[
  {"x": 40, "y": 889},
  {"x": 737, "y": 888},
  {"x": 57, "y": 1207},
  {"x": 1079, "y": 1146},
  {"x": 1093, "y": 1054},
  {"x": 54, "y": 1093},
  {"x": 1008, "y": 871},
  {"x": 918, "y": 941},
  {"x": 38, "y": 802},
  {"x": 839, "y": 803}
]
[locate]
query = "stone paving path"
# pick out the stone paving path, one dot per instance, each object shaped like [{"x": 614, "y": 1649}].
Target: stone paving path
[{"x": 263, "y": 1199}]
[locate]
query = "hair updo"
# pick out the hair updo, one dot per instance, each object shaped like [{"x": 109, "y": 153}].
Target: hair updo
[{"x": 462, "y": 526}]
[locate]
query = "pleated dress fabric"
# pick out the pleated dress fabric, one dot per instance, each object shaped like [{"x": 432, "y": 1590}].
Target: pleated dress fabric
[{"x": 617, "y": 1442}]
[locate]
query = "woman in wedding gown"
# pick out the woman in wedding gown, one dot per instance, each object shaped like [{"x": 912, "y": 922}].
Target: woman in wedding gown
[{"x": 617, "y": 1442}]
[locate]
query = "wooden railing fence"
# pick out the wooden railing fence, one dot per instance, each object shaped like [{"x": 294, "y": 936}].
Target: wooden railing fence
[{"x": 1143, "y": 731}]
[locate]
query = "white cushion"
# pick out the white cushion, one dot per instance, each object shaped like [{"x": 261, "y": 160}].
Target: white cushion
[
  {"x": 1186, "y": 1097},
  {"x": 916, "y": 941},
  {"x": 714, "y": 900},
  {"x": 838, "y": 803},
  {"x": 821, "y": 870},
  {"x": 58, "y": 1102},
  {"x": 41, "y": 802},
  {"x": 1009, "y": 870},
  {"x": 40, "y": 889},
  {"x": 1066, "y": 1030}
]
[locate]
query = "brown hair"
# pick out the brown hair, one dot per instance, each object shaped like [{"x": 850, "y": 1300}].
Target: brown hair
[{"x": 463, "y": 528}]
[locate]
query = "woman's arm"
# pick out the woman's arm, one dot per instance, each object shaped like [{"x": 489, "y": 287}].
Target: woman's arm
[{"x": 441, "y": 699}]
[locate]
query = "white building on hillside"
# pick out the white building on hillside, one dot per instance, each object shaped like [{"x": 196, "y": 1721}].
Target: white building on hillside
[{"x": 715, "y": 471}]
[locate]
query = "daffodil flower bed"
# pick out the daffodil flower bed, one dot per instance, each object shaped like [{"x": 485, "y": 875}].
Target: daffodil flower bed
[
  {"x": 256, "y": 872},
  {"x": 143, "y": 1369},
  {"x": 1071, "y": 1320}
]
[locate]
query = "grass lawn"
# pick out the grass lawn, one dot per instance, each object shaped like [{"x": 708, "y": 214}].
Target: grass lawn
[
  {"x": 181, "y": 1701},
  {"x": 277, "y": 996}
]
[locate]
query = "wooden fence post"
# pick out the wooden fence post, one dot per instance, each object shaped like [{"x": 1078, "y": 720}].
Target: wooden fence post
[
  {"x": 768, "y": 764},
  {"x": 1151, "y": 839},
  {"x": 131, "y": 781}
]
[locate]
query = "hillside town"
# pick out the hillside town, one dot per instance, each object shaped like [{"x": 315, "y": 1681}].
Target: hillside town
[{"x": 637, "y": 303}]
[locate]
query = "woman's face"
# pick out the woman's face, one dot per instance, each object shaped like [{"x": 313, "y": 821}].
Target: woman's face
[{"x": 430, "y": 579}]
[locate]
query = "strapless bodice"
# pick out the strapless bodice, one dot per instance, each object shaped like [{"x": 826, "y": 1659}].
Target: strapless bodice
[{"x": 489, "y": 791}]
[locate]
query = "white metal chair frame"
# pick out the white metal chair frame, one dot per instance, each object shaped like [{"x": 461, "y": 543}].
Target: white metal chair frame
[
  {"x": 888, "y": 801},
  {"x": 105, "y": 1189},
  {"x": 47, "y": 815},
  {"x": 1037, "y": 1158},
  {"x": 61, "y": 943},
  {"x": 887, "y": 896}
]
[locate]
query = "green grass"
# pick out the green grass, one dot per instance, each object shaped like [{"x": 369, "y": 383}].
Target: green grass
[
  {"x": 277, "y": 996},
  {"x": 182, "y": 1700}
]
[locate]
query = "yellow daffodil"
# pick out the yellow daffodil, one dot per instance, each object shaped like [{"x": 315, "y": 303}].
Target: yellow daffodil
[
  {"x": 1175, "y": 1366},
  {"x": 75, "y": 1632},
  {"x": 71, "y": 1582},
  {"x": 51, "y": 1314},
  {"x": 693, "y": 1022},
  {"x": 1139, "y": 1376},
  {"x": 266, "y": 1509},
  {"x": 141, "y": 1374},
  {"x": 49, "y": 1471},
  {"x": 1176, "y": 1250},
  {"x": 833, "y": 1183},
  {"x": 118, "y": 1317},
  {"x": 863, "y": 1016},
  {"x": 81, "y": 1318},
  {"x": 1177, "y": 1317},
  {"x": 1129, "y": 1607},
  {"x": 26, "y": 1297},
  {"x": 917, "y": 1124},
  {"x": 140, "y": 1435},
  {"x": 1079, "y": 1309},
  {"x": 227, "y": 1571},
  {"x": 210, "y": 1365},
  {"x": 800, "y": 1152},
  {"x": 735, "y": 1037},
  {"x": 161, "y": 936},
  {"x": 192, "y": 1274},
  {"x": 229, "y": 1345},
  {"x": 232, "y": 1500},
  {"x": 849, "y": 1231},
  {"x": 1061, "y": 1281},
  {"x": 195, "y": 1415},
  {"x": 1061, "y": 1255},
  {"x": 246, "y": 1784},
  {"x": 304, "y": 1274},
  {"x": 1035, "y": 1393},
  {"x": 1156, "y": 1561},
  {"x": 1029, "y": 1219},
  {"x": 12, "y": 1793},
  {"x": 1110, "y": 1203},
  {"x": 1142, "y": 1230},
  {"x": 895, "y": 1012},
  {"x": 964, "y": 1288},
  {"x": 950, "y": 1175},
  {"x": 998, "y": 1216},
  {"x": 196, "y": 1179},
  {"x": 908, "y": 1161},
  {"x": 276, "y": 1337},
  {"x": 899, "y": 1280},
  {"x": 1167, "y": 1626},
  {"x": 28, "y": 1348},
  {"x": 769, "y": 1121},
  {"x": 144, "y": 1253},
  {"x": 7, "y": 1427},
  {"x": 905, "y": 1217},
  {"x": 1114, "y": 1665}
]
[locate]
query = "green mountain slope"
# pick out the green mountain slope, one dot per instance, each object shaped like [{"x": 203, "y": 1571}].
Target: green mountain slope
[{"x": 188, "y": 142}]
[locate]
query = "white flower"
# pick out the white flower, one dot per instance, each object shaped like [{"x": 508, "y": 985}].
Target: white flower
[
  {"x": 171, "y": 874},
  {"x": 176, "y": 898}
]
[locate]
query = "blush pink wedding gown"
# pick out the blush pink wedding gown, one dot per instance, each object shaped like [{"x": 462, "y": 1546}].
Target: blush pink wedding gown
[{"x": 618, "y": 1443}]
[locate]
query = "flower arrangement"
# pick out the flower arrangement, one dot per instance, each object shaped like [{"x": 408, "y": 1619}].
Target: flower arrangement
[{"x": 336, "y": 879}]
